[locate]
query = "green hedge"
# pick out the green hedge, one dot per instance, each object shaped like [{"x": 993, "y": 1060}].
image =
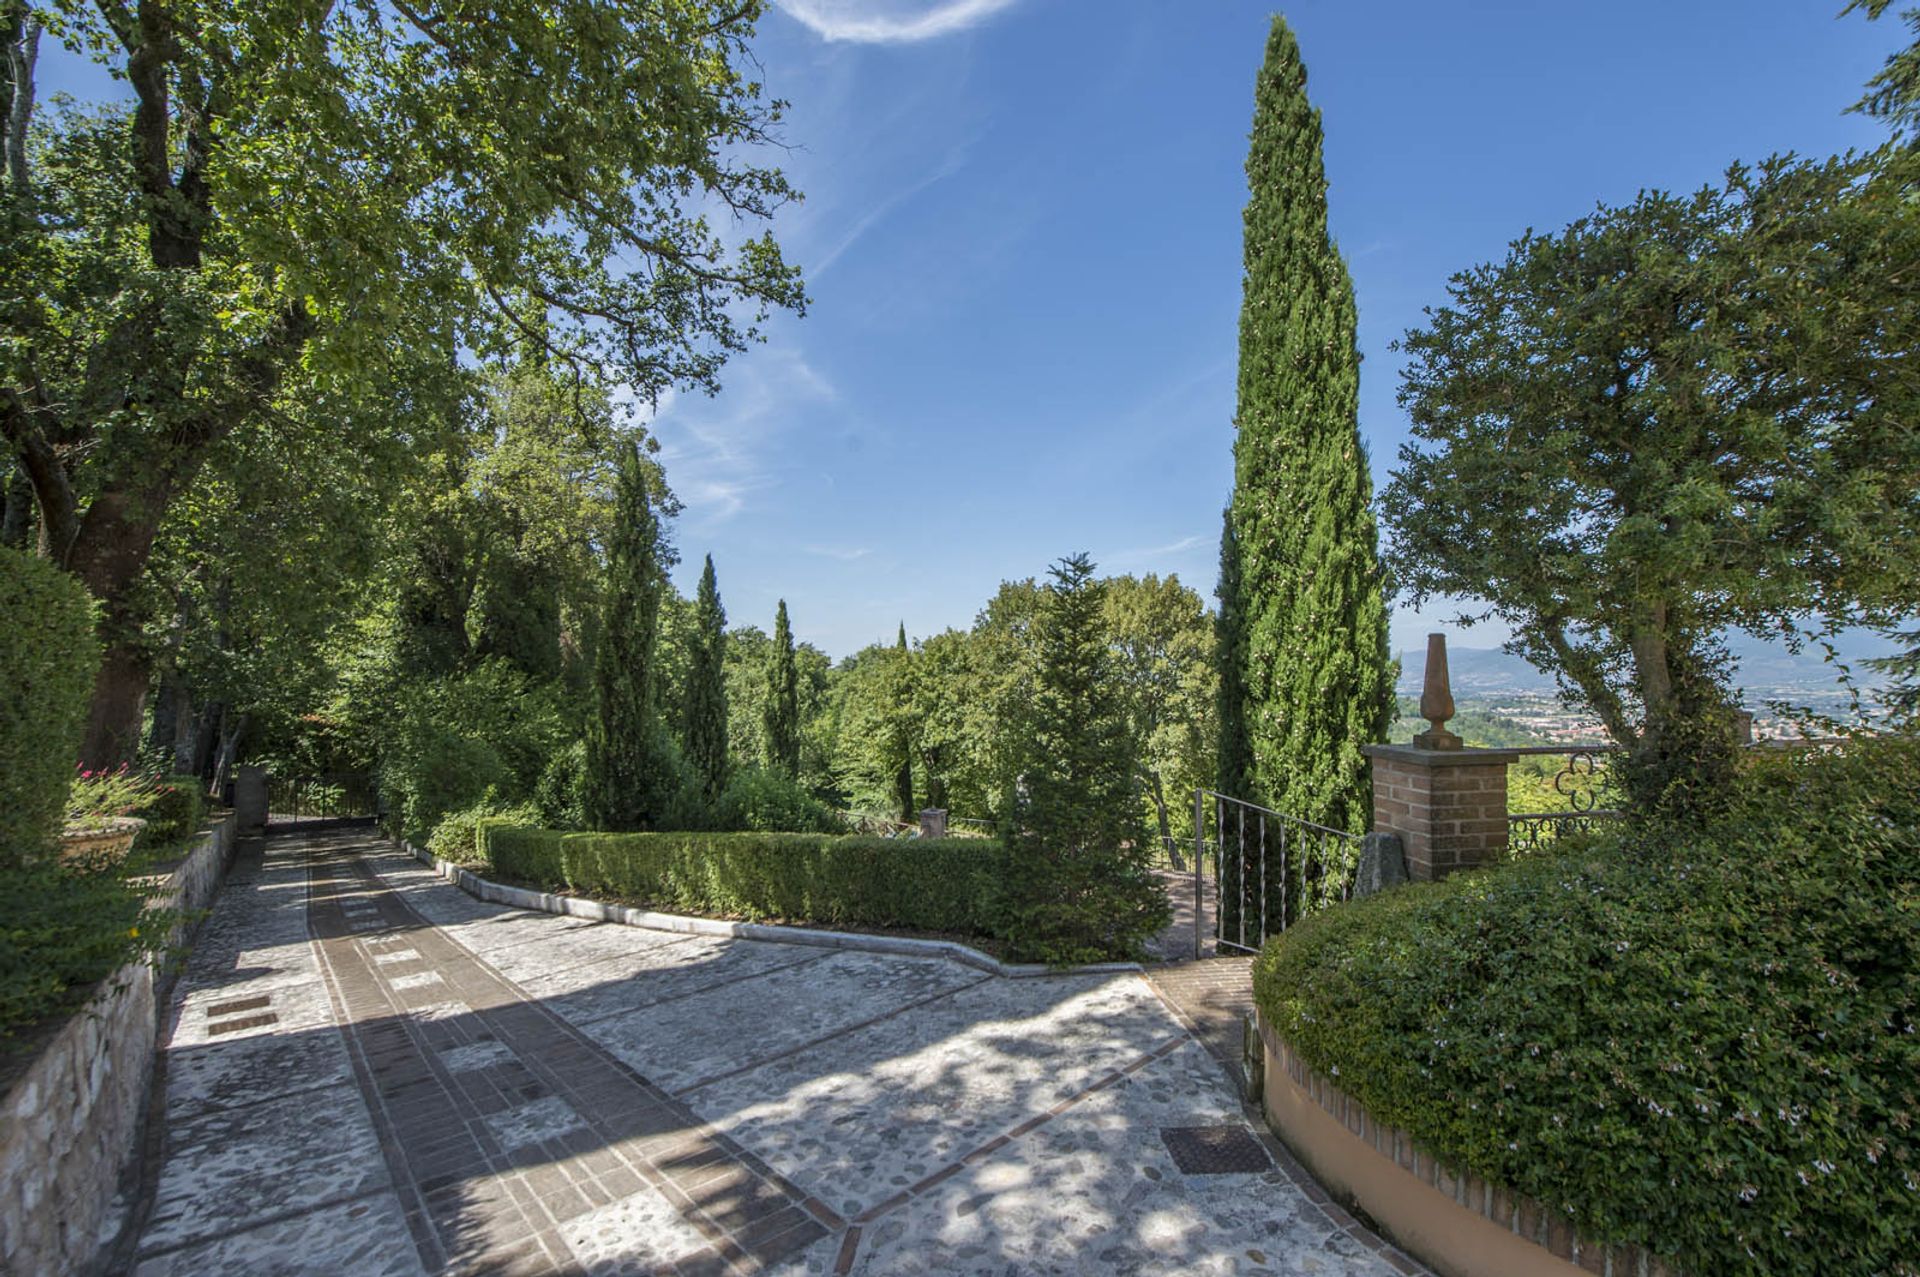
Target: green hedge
[
  {"x": 947, "y": 884},
  {"x": 1704, "y": 1041},
  {"x": 48, "y": 656},
  {"x": 174, "y": 810}
]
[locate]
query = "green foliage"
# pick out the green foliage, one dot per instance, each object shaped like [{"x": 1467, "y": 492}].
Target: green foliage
[
  {"x": 901, "y": 743},
  {"x": 1627, "y": 445},
  {"x": 558, "y": 795},
  {"x": 1704, "y": 1040},
  {"x": 294, "y": 255},
  {"x": 947, "y": 885},
  {"x": 62, "y": 932},
  {"x": 630, "y": 777},
  {"x": 765, "y": 801},
  {"x": 47, "y": 660},
  {"x": 428, "y": 770},
  {"x": 456, "y": 837},
  {"x": 1164, "y": 660},
  {"x": 1894, "y": 94},
  {"x": 1079, "y": 887},
  {"x": 1303, "y": 640},
  {"x": 705, "y": 717},
  {"x": 173, "y": 807},
  {"x": 781, "y": 707}
]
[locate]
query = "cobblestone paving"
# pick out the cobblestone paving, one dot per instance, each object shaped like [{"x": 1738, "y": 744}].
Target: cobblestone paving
[{"x": 368, "y": 1071}]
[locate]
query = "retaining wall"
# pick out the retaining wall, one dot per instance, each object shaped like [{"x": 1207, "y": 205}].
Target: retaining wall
[
  {"x": 71, "y": 1121},
  {"x": 1456, "y": 1222}
]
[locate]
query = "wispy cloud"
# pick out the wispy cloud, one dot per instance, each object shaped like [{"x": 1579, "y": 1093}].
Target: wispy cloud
[
  {"x": 846, "y": 554},
  {"x": 719, "y": 452},
  {"x": 891, "y": 21},
  {"x": 956, "y": 159},
  {"x": 1152, "y": 552}
]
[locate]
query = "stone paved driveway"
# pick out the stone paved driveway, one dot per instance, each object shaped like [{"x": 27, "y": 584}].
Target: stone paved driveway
[{"x": 368, "y": 1071}]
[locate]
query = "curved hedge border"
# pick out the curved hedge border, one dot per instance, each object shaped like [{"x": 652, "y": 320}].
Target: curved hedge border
[
  {"x": 1703, "y": 1042},
  {"x": 948, "y": 885}
]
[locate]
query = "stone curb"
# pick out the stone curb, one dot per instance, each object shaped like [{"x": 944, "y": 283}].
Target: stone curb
[{"x": 575, "y": 906}]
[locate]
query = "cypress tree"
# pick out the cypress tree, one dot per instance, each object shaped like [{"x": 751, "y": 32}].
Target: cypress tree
[
  {"x": 902, "y": 744},
  {"x": 1080, "y": 886},
  {"x": 706, "y": 701},
  {"x": 782, "y": 708},
  {"x": 1306, "y": 677},
  {"x": 628, "y": 778}
]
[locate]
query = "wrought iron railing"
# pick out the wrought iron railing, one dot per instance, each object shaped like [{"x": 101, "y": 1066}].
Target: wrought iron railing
[
  {"x": 1270, "y": 869},
  {"x": 1581, "y": 783},
  {"x": 340, "y": 796}
]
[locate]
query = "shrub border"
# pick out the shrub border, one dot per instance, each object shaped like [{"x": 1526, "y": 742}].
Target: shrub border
[
  {"x": 580, "y": 907},
  {"x": 1527, "y": 1219}
]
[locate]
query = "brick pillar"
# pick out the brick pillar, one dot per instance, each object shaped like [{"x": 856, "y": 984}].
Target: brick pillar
[{"x": 1449, "y": 806}]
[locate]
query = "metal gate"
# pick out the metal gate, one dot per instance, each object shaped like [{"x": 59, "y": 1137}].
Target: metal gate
[
  {"x": 335, "y": 798},
  {"x": 1269, "y": 869}
]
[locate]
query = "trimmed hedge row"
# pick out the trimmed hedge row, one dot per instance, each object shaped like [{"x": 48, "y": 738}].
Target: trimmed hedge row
[
  {"x": 1702, "y": 1041},
  {"x": 947, "y": 884},
  {"x": 48, "y": 656}
]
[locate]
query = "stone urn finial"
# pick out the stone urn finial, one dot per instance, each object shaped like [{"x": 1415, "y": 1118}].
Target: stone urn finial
[{"x": 1436, "y": 698}]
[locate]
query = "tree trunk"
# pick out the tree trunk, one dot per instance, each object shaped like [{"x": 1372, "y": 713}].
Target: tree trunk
[
  {"x": 232, "y": 733},
  {"x": 109, "y": 553}
]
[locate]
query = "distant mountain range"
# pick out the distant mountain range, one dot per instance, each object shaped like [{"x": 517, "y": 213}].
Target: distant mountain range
[{"x": 1479, "y": 672}]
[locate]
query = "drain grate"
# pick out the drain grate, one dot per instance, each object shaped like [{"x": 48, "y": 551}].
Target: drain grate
[
  {"x": 1215, "y": 1150},
  {"x": 234, "y": 1008},
  {"x": 244, "y": 1022}
]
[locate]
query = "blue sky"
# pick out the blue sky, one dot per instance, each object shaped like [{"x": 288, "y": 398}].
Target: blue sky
[{"x": 1022, "y": 240}]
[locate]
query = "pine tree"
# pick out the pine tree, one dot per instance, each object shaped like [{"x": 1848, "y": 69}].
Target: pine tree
[
  {"x": 902, "y": 744},
  {"x": 1080, "y": 886},
  {"x": 629, "y": 774},
  {"x": 706, "y": 698},
  {"x": 1303, "y": 637},
  {"x": 782, "y": 707}
]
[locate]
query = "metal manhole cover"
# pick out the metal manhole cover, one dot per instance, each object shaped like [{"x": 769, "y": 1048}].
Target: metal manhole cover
[{"x": 1215, "y": 1150}]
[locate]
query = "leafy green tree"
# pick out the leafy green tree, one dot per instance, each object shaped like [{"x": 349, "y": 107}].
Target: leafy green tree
[
  {"x": 706, "y": 689},
  {"x": 1303, "y": 641},
  {"x": 1894, "y": 94},
  {"x": 1674, "y": 418},
  {"x": 901, "y": 728},
  {"x": 630, "y": 781},
  {"x": 279, "y": 206},
  {"x": 1162, "y": 639},
  {"x": 782, "y": 705},
  {"x": 1081, "y": 886}
]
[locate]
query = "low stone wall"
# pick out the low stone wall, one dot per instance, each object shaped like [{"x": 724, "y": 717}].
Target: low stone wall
[
  {"x": 1452, "y": 1220},
  {"x": 71, "y": 1121}
]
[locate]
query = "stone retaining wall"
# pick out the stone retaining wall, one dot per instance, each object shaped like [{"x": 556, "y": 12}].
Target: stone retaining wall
[
  {"x": 71, "y": 1121},
  {"x": 1456, "y": 1222}
]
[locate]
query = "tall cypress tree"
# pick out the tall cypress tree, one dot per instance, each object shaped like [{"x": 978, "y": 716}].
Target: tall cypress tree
[
  {"x": 706, "y": 706},
  {"x": 629, "y": 777},
  {"x": 781, "y": 713},
  {"x": 1303, "y": 617},
  {"x": 902, "y": 744}
]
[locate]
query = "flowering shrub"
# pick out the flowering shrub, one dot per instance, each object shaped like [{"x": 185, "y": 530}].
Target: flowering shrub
[{"x": 98, "y": 797}]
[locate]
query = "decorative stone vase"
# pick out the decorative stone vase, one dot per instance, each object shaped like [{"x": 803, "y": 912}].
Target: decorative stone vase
[{"x": 103, "y": 844}]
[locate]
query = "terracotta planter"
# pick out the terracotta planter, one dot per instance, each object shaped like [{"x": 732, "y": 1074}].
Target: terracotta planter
[{"x": 103, "y": 844}]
